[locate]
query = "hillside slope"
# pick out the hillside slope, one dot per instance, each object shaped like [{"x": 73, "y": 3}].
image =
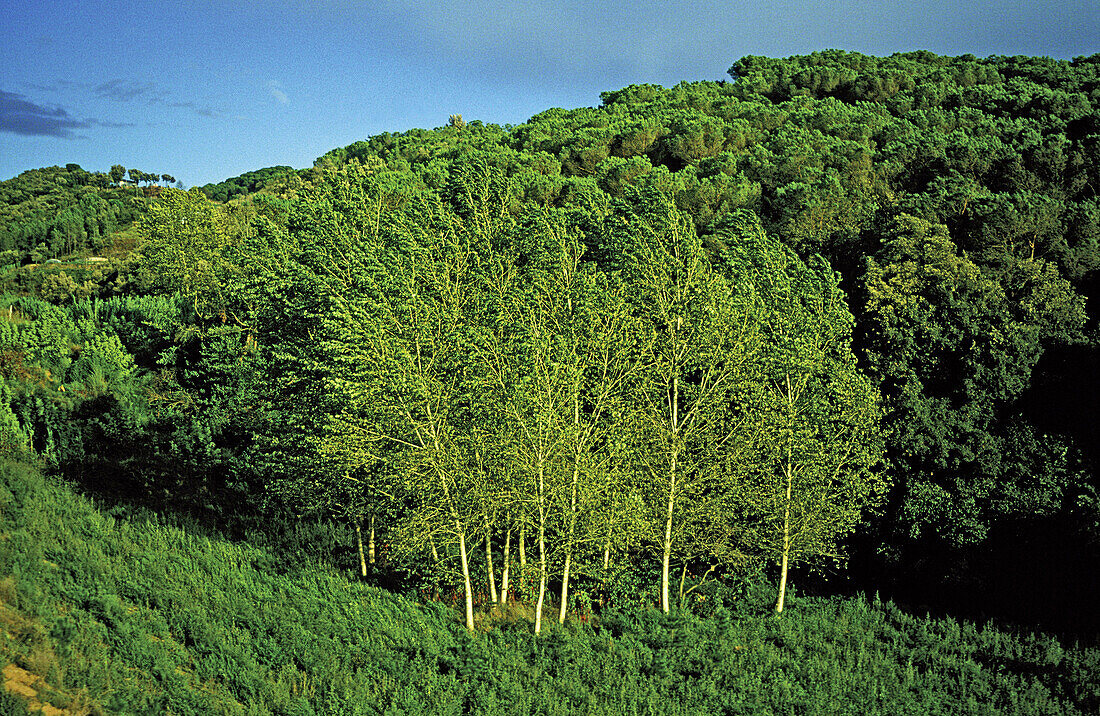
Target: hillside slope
[{"x": 133, "y": 614}]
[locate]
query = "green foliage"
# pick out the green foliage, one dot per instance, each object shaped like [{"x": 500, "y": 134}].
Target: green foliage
[
  {"x": 52, "y": 212},
  {"x": 953, "y": 342},
  {"x": 184, "y": 242},
  {"x": 818, "y": 465},
  {"x": 613, "y": 339},
  {"x": 620, "y": 404},
  {"x": 833, "y": 151},
  {"x": 247, "y": 183},
  {"x": 134, "y": 612},
  {"x": 12, "y": 705}
]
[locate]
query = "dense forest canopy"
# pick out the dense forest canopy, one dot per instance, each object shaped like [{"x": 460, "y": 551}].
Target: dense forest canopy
[
  {"x": 833, "y": 310},
  {"x": 247, "y": 183},
  {"x": 45, "y": 213}
]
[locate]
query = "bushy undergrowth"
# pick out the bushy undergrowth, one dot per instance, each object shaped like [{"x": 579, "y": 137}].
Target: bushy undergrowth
[{"x": 136, "y": 615}]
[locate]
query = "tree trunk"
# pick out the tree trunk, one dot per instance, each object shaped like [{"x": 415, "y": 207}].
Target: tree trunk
[
  {"x": 606, "y": 566},
  {"x": 362, "y": 557},
  {"x": 572, "y": 515},
  {"x": 782, "y": 583},
  {"x": 789, "y": 475},
  {"x": 542, "y": 577},
  {"x": 565, "y": 587},
  {"x": 523, "y": 546},
  {"x": 372, "y": 552},
  {"x": 468, "y": 585},
  {"x": 542, "y": 550},
  {"x": 786, "y": 541},
  {"x": 489, "y": 562},
  {"x": 461, "y": 532},
  {"x": 666, "y": 555},
  {"x": 507, "y": 568}
]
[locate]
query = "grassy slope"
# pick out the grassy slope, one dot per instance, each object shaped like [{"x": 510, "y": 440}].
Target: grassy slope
[{"x": 134, "y": 615}]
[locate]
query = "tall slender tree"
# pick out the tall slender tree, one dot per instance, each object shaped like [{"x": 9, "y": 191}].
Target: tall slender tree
[
  {"x": 703, "y": 335},
  {"x": 817, "y": 471}
]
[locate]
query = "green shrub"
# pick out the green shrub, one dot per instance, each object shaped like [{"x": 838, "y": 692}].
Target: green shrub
[
  {"x": 143, "y": 614},
  {"x": 12, "y": 705}
]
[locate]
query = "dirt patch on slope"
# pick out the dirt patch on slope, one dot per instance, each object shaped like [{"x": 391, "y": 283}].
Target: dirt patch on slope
[{"x": 26, "y": 684}]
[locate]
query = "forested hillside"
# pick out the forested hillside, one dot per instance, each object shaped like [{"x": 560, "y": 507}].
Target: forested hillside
[
  {"x": 66, "y": 233},
  {"x": 247, "y": 183},
  {"x": 51, "y": 212},
  {"x": 826, "y": 323}
]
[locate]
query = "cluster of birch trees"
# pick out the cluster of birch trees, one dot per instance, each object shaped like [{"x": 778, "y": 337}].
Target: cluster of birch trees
[{"x": 489, "y": 389}]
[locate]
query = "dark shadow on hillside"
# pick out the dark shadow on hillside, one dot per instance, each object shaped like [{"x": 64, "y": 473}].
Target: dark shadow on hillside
[
  {"x": 1034, "y": 574},
  {"x": 1037, "y": 572},
  {"x": 124, "y": 481}
]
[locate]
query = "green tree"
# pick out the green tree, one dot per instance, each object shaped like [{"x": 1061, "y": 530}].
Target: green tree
[
  {"x": 525, "y": 361},
  {"x": 954, "y": 345},
  {"x": 185, "y": 248},
  {"x": 817, "y": 470},
  {"x": 401, "y": 288},
  {"x": 702, "y": 331},
  {"x": 601, "y": 340}
]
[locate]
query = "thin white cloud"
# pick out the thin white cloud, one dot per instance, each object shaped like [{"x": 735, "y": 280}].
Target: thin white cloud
[
  {"x": 274, "y": 88},
  {"x": 120, "y": 90},
  {"x": 125, "y": 90}
]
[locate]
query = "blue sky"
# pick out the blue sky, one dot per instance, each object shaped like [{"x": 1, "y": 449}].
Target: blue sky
[{"x": 208, "y": 90}]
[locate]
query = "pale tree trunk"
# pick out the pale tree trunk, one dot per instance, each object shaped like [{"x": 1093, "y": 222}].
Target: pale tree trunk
[
  {"x": 362, "y": 557},
  {"x": 565, "y": 587},
  {"x": 507, "y": 568},
  {"x": 489, "y": 561},
  {"x": 542, "y": 550},
  {"x": 371, "y": 551},
  {"x": 666, "y": 556},
  {"x": 786, "y": 537},
  {"x": 572, "y": 518},
  {"x": 523, "y": 545},
  {"x": 542, "y": 579},
  {"x": 666, "y": 552},
  {"x": 782, "y": 583},
  {"x": 466, "y": 577},
  {"x": 460, "y": 531},
  {"x": 789, "y": 476},
  {"x": 606, "y": 566}
]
